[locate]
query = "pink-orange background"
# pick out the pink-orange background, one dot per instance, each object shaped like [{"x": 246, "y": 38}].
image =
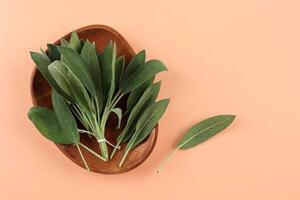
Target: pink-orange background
[{"x": 239, "y": 57}]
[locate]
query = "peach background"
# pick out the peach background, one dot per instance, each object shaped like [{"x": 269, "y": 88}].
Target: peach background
[{"x": 239, "y": 57}]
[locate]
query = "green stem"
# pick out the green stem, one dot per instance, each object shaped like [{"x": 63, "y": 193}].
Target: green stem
[
  {"x": 91, "y": 151},
  {"x": 116, "y": 96},
  {"x": 123, "y": 159},
  {"x": 118, "y": 142},
  {"x": 114, "y": 103},
  {"x": 85, "y": 164},
  {"x": 100, "y": 132},
  {"x": 115, "y": 149},
  {"x": 163, "y": 163}
]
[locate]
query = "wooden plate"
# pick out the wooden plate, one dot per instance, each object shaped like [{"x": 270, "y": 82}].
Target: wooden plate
[{"x": 41, "y": 96}]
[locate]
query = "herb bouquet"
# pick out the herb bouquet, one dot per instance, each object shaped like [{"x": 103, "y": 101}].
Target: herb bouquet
[{"x": 87, "y": 86}]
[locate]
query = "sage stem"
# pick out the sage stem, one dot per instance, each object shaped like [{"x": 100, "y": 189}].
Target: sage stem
[
  {"x": 163, "y": 163},
  {"x": 85, "y": 164},
  {"x": 123, "y": 159},
  {"x": 92, "y": 152}
]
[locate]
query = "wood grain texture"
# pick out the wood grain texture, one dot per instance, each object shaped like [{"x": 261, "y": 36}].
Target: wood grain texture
[{"x": 41, "y": 96}]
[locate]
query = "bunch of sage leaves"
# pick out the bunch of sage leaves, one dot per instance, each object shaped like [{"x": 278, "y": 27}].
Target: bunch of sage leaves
[{"x": 87, "y": 85}]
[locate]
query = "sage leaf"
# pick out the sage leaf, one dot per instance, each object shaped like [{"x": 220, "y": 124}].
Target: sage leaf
[
  {"x": 89, "y": 55},
  {"x": 64, "y": 43},
  {"x": 54, "y": 54},
  {"x": 80, "y": 94},
  {"x": 149, "y": 120},
  {"x": 59, "y": 74},
  {"x": 75, "y": 43},
  {"x": 44, "y": 54},
  {"x": 205, "y": 130},
  {"x": 42, "y": 65},
  {"x": 136, "y": 94},
  {"x": 134, "y": 63},
  {"x": 118, "y": 112},
  {"x": 142, "y": 74},
  {"x": 201, "y": 132},
  {"x": 65, "y": 117},
  {"x": 120, "y": 63},
  {"x": 147, "y": 99},
  {"x": 67, "y": 121},
  {"x": 145, "y": 125},
  {"x": 78, "y": 66},
  {"x": 108, "y": 65},
  {"x": 46, "y": 122}
]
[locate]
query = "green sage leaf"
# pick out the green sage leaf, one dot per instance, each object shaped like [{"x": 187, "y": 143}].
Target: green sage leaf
[
  {"x": 142, "y": 74},
  {"x": 145, "y": 125},
  {"x": 205, "y": 130},
  {"x": 136, "y": 94},
  {"x": 54, "y": 54},
  {"x": 46, "y": 122},
  {"x": 65, "y": 117},
  {"x": 59, "y": 72},
  {"x": 78, "y": 66},
  {"x": 42, "y": 65},
  {"x": 149, "y": 120},
  {"x": 64, "y": 43},
  {"x": 147, "y": 99},
  {"x": 134, "y": 63},
  {"x": 75, "y": 43},
  {"x": 118, "y": 112},
  {"x": 89, "y": 55},
  {"x": 44, "y": 54},
  {"x": 67, "y": 121},
  {"x": 120, "y": 63},
  {"x": 108, "y": 62},
  {"x": 199, "y": 133},
  {"x": 80, "y": 94}
]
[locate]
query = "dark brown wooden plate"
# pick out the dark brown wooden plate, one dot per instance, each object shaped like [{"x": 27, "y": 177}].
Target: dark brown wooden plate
[{"x": 41, "y": 96}]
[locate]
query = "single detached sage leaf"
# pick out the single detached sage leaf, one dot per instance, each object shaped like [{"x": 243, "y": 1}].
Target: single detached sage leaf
[
  {"x": 201, "y": 132},
  {"x": 149, "y": 120},
  {"x": 145, "y": 125},
  {"x": 46, "y": 122},
  {"x": 42, "y": 65},
  {"x": 205, "y": 130},
  {"x": 142, "y": 74}
]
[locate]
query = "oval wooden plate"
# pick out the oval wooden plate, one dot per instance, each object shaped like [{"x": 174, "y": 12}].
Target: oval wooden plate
[{"x": 41, "y": 96}]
